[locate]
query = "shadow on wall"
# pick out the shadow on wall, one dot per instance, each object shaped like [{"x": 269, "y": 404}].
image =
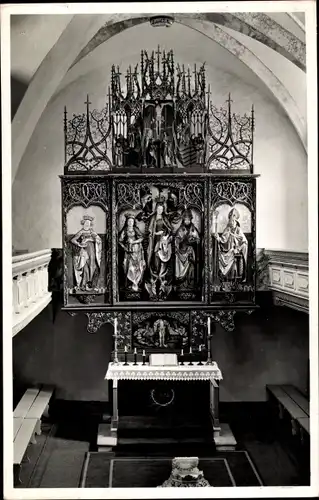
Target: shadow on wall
[
  {"x": 18, "y": 89},
  {"x": 63, "y": 354},
  {"x": 270, "y": 346}
]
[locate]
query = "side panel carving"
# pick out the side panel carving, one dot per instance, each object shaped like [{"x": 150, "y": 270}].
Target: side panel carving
[
  {"x": 232, "y": 240},
  {"x": 86, "y": 241}
]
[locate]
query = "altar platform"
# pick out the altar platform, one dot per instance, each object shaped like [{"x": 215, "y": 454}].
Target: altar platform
[{"x": 161, "y": 391}]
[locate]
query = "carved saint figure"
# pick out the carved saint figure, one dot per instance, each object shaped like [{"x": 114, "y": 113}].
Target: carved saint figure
[
  {"x": 149, "y": 149},
  {"x": 159, "y": 251},
  {"x": 158, "y": 121},
  {"x": 161, "y": 329},
  {"x": 199, "y": 143},
  {"x": 87, "y": 261},
  {"x": 167, "y": 151},
  {"x": 186, "y": 240},
  {"x": 131, "y": 239},
  {"x": 232, "y": 249}
]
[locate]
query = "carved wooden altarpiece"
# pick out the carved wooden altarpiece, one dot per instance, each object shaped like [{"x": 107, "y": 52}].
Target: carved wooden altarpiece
[{"x": 159, "y": 209}]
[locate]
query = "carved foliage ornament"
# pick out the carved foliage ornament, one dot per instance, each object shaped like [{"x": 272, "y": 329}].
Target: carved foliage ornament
[
  {"x": 199, "y": 324},
  {"x": 85, "y": 193},
  {"x": 159, "y": 115},
  {"x": 230, "y": 139},
  {"x": 232, "y": 192},
  {"x": 97, "y": 319},
  {"x": 87, "y": 140}
]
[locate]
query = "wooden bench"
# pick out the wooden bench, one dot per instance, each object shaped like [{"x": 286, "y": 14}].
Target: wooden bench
[
  {"x": 27, "y": 422},
  {"x": 296, "y": 396},
  {"x": 293, "y": 402}
]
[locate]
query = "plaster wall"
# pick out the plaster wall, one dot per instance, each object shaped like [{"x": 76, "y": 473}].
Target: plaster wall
[{"x": 268, "y": 347}]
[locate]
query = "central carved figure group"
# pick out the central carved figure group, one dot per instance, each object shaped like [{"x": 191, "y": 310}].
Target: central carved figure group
[
  {"x": 161, "y": 247},
  {"x": 155, "y": 258}
]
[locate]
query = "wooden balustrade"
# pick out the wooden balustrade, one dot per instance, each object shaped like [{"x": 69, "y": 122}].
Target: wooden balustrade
[
  {"x": 289, "y": 278},
  {"x": 30, "y": 293}
]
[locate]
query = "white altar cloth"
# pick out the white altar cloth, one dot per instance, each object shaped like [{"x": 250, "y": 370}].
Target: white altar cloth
[{"x": 148, "y": 372}]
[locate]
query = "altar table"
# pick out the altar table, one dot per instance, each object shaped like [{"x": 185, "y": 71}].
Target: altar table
[{"x": 195, "y": 372}]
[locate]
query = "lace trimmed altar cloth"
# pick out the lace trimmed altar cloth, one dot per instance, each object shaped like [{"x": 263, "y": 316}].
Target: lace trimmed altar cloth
[{"x": 148, "y": 372}]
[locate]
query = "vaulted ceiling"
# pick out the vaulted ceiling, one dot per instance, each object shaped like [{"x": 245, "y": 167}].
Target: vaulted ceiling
[{"x": 48, "y": 52}]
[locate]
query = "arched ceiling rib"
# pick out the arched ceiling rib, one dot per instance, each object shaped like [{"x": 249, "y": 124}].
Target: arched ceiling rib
[
  {"x": 253, "y": 24},
  {"x": 50, "y": 73},
  {"x": 84, "y": 33},
  {"x": 221, "y": 36}
]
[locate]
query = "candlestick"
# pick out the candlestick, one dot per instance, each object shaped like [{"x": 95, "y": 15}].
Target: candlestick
[
  {"x": 182, "y": 356},
  {"x": 209, "y": 336},
  {"x": 190, "y": 356},
  {"x": 125, "y": 356},
  {"x": 209, "y": 359},
  {"x": 115, "y": 358},
  {"x": 200, "y": 355}
]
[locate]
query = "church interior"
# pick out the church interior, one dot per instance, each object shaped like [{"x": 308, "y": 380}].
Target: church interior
[{"x": 160, "y": 250}]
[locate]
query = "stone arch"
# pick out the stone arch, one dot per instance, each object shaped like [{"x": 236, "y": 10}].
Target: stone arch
[
  {"x": 49, "y": 75},
  {"x": 279, "y": 91}
]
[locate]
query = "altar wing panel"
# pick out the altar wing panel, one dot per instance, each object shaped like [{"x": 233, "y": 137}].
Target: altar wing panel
[
  {"x": 233, "y": 240},
  {"x": 86, "y": 245},
  {"x": 159, "y": 248}
]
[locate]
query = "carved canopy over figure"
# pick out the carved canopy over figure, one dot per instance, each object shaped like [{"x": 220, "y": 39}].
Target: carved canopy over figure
[
  {"x": 87, "y": 261},
  {"x": 186, "y": 240},
  {"x": 134, "y": 264},
  {"x": 232, "y": 249}
]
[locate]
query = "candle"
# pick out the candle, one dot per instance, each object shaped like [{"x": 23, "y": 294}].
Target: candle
[
  {"x": 135, "y": 351},
  {"x": 208, "y": 325},
  {"x": 125, "y": 349},
  {"x": 182, "y": 352},
  {"x": 143, "y": 352},
  {"x": 115, "y": 326},
  {"x": 200, "y": 348},
  {"x": 190, "y": 350}
]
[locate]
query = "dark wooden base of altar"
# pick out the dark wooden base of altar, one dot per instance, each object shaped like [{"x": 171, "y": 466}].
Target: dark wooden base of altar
[
  {"x": 156, "y": 439},
  {"x": 161, "y": 414},
  {"x": 165, "y": 399}
]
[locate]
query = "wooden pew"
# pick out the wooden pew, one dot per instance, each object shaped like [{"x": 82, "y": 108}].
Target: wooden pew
[
  {"x": 25, "y": 403},
  {"x": 40, "y": 406},
  {"x": 291, "y": 401},
  {"x": 296, "y": 396},
  {"x": 24, "y": 433},
  {"x": 27, "y": 422}
]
